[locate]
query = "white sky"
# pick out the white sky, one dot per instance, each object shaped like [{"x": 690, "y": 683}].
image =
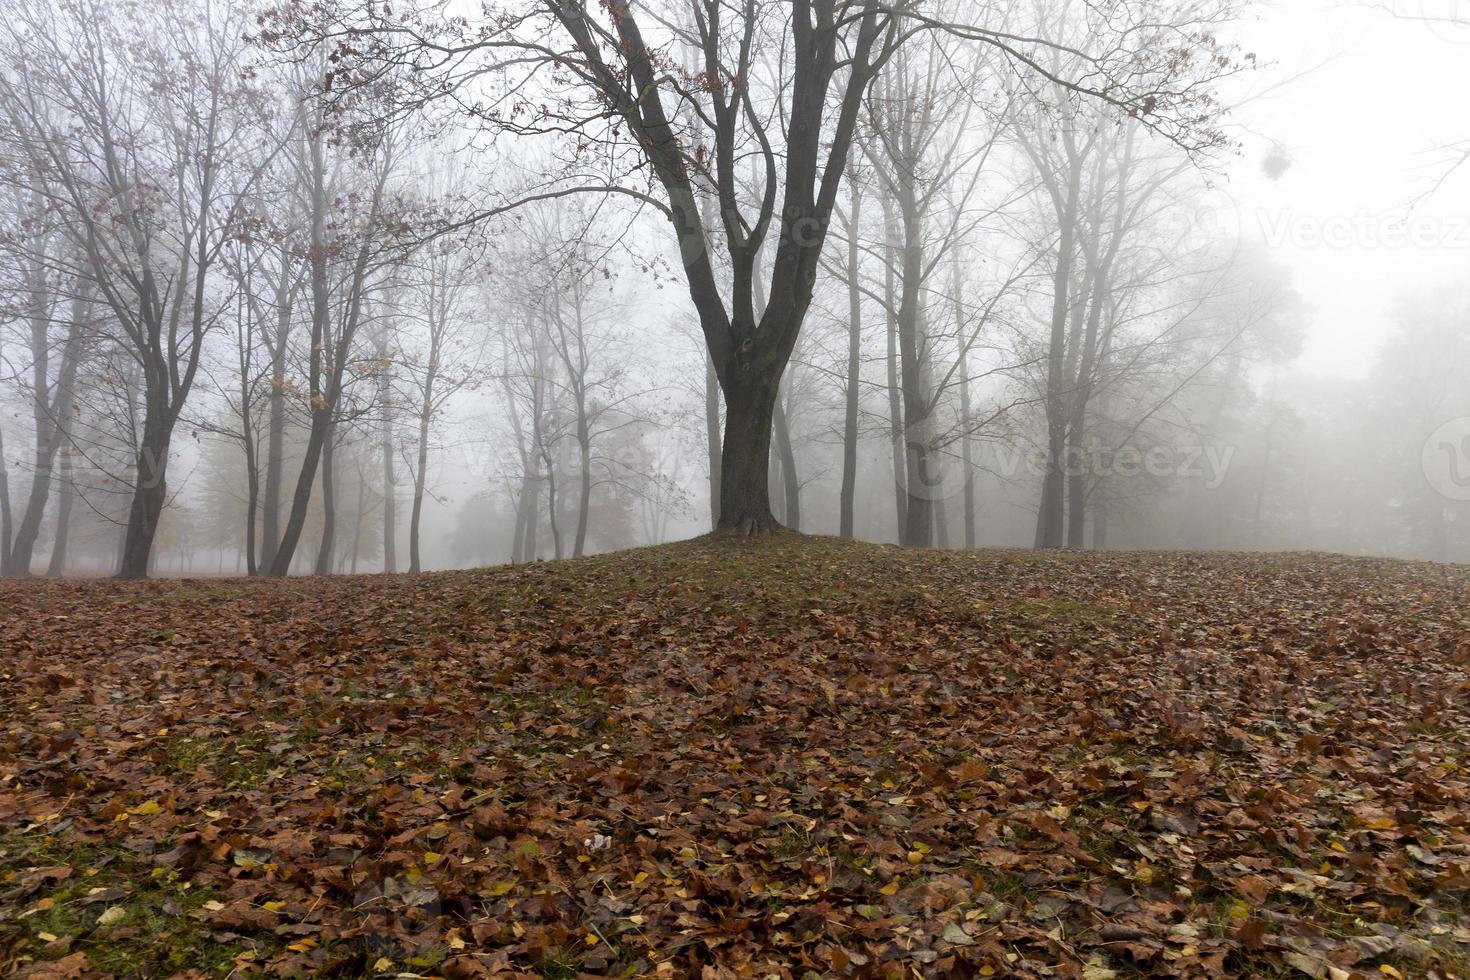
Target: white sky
[{"x": 1364, "y": 133}]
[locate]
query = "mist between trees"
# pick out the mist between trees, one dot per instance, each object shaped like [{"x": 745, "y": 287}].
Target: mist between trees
[{"x": 344, "y": 287}]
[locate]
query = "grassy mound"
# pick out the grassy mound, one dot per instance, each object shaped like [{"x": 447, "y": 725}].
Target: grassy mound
[{"x": 789, "y": 757}]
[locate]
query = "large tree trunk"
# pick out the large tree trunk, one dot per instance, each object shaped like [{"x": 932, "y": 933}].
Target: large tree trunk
[
  {"x": 750, "y": 405},
  {"x": 150, "y": 490},
  {"x": 848, "y": 496}
]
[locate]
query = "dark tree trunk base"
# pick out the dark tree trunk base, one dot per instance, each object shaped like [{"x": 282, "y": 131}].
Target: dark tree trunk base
[{"x": 753, "y": 529}]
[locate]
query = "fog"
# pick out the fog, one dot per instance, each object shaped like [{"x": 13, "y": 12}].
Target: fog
[{"x": 351, "y": 289}]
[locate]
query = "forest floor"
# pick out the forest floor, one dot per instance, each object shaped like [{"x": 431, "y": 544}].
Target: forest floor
[{"x": 795, "y": 758}]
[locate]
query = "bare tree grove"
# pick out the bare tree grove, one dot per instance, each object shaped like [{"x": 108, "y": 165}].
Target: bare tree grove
[{"x": 343, "y": 286}]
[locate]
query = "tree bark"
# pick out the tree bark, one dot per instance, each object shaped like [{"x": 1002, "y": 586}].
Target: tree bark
[
  {"x": 750, "y": 405},
  {"x": 848, "y": 495},
  {"x": 390, "y": 478},
  {"x": 712, "y": 436},
  {"x": 420, "y": 477},
  {"x": 357, "y": 519},
  {"x": 47, "y": 406},
  {"x": 66, "y": 497},
  {"x": 895, "y": 392},
  {"x": 967, "y": 433},
  {"x": 523, "y": 546},
  {"x": 324, "y": 397},
  {"x": 584, "y": 499},
  {"x": 918, "y": 529},
  {"x": 1100, "y": 526},
  {"x": 790, "y": 483},
  {"x": 551, "y": 510},
  {"x": 270, "y": 535},
  {"x": 1050, "y": 515},
  {"x": 150, "y": 489},
  {"x": 329, "y": 501},
  {"x": 7, "y": 520}
]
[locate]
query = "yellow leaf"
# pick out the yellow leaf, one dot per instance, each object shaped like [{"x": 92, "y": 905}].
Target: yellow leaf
[
  {"x": 590, "y": 939},
  {"x": 891, "y": 888},
  {"x": 274, "y": 906},
  {"x": 432, "y": 858},
  {"x": 46, "y": 937},
  {"x": 147, "y": 809},
  {"x": 1389, "y": 971},
  {"x": 383, "y": 965},
  {"x": 500, "y": 888},
  {"x": 304, "y": 946}
]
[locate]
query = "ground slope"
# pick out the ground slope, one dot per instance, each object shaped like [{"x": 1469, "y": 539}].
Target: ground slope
[{"x": 791, "y": 758}]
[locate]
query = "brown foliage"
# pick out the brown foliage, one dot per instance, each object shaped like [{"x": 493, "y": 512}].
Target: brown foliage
[{"x": 790, "y": 758}]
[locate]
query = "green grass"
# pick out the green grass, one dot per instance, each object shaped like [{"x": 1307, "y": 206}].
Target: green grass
[{"x": 155, "y": 936}]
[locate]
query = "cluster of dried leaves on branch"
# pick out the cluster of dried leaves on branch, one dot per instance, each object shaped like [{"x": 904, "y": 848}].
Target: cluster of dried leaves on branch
[{"x": 792, "y": 759}]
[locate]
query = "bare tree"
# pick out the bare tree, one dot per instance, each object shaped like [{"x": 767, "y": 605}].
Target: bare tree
[{"x": 362, "y": 248}]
